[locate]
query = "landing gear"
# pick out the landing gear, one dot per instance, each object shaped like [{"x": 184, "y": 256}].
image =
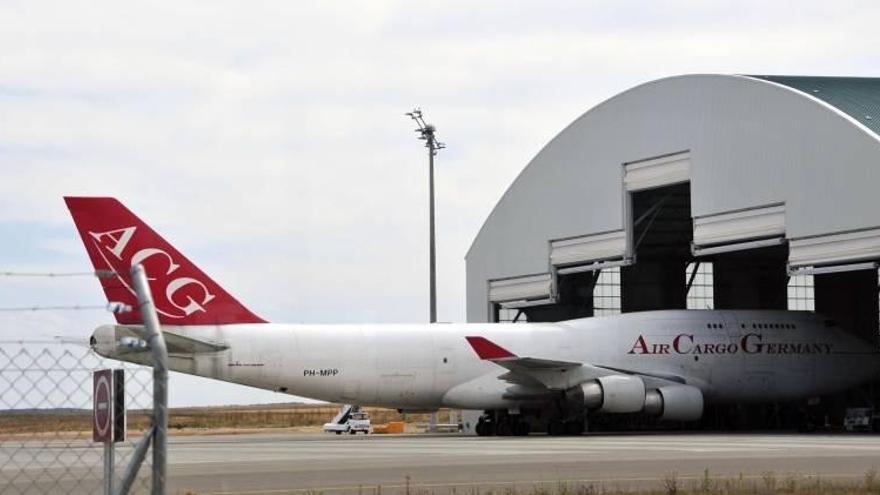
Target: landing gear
[
  {"x": 504, "y": 428},
  {"x": 502, "y": 425},
  {"x": 485, "y": 427}
]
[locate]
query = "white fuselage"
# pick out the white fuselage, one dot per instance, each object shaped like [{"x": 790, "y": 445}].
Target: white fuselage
[{"x": 742, "y": 356}]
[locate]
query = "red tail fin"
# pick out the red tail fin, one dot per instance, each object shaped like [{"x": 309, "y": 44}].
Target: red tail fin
[{"x": 115, "y": 239}]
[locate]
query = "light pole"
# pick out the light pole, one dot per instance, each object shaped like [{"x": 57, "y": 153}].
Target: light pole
[{"x": 427, "y": 134}]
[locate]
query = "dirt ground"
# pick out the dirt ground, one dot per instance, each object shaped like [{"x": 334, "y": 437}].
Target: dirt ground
[{"x": 204, "y": 420}]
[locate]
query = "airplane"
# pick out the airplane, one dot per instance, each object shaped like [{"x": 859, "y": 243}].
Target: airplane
[{"x": 525, "y": 378}]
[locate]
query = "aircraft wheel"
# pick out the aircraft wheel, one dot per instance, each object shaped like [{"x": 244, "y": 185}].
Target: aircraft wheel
[
  {"x": 339, "y": 433},
  {"x": 485, "y": 429},
  {"x": 504, "y": 428},
  {"x": 522, "y": 428},
  {"x": 353, "y": 432}
]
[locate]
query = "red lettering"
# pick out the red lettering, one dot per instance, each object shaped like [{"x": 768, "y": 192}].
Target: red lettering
[
  {"x": 747, "y": 340},
  {"x": 676, "y": 343},
  {"x": 641, "y": 345}
]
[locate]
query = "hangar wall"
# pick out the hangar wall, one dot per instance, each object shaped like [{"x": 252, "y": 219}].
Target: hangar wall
[{"x": 746, "y": 144}]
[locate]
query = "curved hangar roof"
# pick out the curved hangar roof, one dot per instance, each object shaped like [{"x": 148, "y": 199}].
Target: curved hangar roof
[{"x": 770, "y": 159}]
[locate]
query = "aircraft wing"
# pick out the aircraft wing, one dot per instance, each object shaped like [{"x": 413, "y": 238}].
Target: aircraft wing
[{"x": 552, "y": 374}]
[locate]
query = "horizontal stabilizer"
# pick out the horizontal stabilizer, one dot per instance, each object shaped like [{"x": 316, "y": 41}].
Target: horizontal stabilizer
[{"x": 176, "y": 344}]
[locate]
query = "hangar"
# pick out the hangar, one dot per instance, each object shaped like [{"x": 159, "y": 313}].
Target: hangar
[{"x": 695, "y": 191}]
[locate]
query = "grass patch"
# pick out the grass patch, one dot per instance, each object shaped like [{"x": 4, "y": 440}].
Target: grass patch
[{"x": 767, "y": 483}]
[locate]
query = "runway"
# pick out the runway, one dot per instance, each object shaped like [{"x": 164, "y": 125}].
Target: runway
[{"x": 275, "y": 463}]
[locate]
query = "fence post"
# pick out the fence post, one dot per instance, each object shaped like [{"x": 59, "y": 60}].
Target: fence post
[
  {"x": 109, "y": 463},
  {"x": 160, "y": 377}
]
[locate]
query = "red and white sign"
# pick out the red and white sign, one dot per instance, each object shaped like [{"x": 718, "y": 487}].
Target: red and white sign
[{"x": 102, "y": 391}]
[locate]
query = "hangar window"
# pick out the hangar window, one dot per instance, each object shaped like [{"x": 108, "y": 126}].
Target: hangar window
[
  {"x": 606, "y": 294},
  {"x": 801, "y": 293},
  {"x": 700, "y": 285},
  {"x": 511, "y": 315}
]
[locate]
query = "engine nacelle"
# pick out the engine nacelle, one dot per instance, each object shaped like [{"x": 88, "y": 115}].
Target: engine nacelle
[
  {"x": 675, "y": 403},
  {"x": 614, "y": 394},
  {"x": 104, "y": 342}
]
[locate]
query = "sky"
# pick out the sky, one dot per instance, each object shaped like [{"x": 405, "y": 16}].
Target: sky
[{"x": 267, "y": 140}]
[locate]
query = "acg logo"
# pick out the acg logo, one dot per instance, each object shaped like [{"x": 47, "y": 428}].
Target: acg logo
[{"x": 114, "y": 242}]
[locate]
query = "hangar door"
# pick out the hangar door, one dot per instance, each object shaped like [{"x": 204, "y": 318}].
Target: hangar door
[
  {"x": 844, "y": 269},
  {"x": 589, "y": 252},
  {"x": 739, "y": 230},
  {"x": 521, "y": 291},
  {"x": 657, "y": 192}
]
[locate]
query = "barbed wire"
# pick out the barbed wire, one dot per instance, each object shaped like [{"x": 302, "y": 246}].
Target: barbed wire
[
  {"x": 52, "y": 308},
  {"x": 113, "y": 307},
  {"x": 58, "y": 340},
  {"x": 95, "y": 273}
]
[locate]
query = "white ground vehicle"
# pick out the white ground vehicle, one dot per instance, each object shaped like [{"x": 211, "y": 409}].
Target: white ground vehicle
[{"x": 353, "y": 422}]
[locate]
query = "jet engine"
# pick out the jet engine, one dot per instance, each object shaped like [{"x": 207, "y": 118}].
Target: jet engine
[
  {"x": 109, "y": 341},
  {"x": 104, "y": 342},
  {"x": 613, "y": 394},
  {"x": 675, "y": 403}
]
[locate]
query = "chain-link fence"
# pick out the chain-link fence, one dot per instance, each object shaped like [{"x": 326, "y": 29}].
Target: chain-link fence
[{"x": 46, "y": 419}]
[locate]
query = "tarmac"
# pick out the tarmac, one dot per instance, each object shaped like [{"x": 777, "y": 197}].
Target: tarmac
[{"x": 273, "y": 463}]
